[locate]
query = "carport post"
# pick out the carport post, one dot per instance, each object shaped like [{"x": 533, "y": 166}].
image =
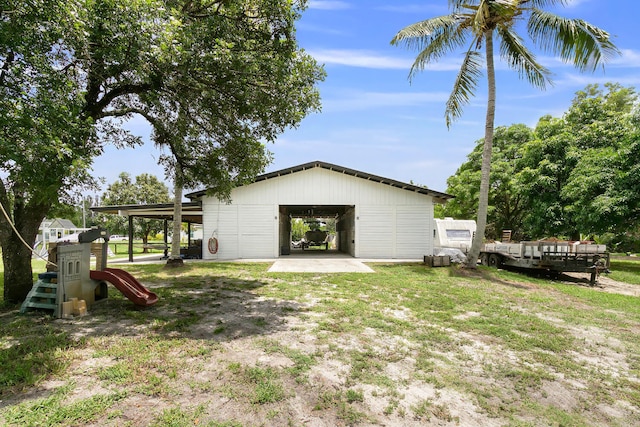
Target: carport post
[
  {"x": 166, "y": 248},
  {"x": 130, "y": 238}
]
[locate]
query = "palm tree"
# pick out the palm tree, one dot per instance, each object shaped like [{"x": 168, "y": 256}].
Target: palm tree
[{"x": 474, "y": 24}]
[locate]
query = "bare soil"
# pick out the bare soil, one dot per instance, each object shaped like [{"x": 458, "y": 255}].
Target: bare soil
[
  {"x": 604, "y": 284},
  {"x": 233, "y": 332}
]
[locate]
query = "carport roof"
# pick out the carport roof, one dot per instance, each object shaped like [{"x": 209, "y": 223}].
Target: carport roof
[
  {"x": 191, "y": 211},
  {"x": 438, "y": 196}
]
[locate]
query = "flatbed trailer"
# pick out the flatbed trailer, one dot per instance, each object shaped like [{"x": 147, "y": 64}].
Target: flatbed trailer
[{"x": 552, "y": 256}]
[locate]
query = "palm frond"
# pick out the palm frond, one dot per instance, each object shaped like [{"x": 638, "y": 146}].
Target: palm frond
[
  {"x": 521, "y": 59},
  {"x": 541, "y": 4},
  {"x": 419, "y": 35},
  {"x": 459, "y": 4},
  {"x": 434, "y": 38},
  {"x": 465, "y": 85},
  {"x": 574, "y": 40},
  {"x": 481, "y": 16}
]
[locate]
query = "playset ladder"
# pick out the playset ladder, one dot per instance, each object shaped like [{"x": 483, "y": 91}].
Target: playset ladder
[{"x": 42, "y": 296}]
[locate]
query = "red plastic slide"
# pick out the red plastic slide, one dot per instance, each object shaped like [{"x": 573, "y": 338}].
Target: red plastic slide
[{"x": 127, "y": 284}]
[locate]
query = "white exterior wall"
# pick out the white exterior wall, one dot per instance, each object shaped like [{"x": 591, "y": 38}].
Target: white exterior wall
[
  {"x": 390, "y": 222},
  {"x": 458, "y": 240}
]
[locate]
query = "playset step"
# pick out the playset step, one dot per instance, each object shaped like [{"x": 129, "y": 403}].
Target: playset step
[{"x": 43, "y": 295}]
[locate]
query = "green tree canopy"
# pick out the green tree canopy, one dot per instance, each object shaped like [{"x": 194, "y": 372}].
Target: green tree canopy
[
  {"x": 146, "y": 189},
  {"x": 507, "y": 207},
  {"x": 475, "y": 25},
  {"x": 570, "y": 176},
  {"x": 601, "y": 188},
  {"x": 224, "y": 76}
]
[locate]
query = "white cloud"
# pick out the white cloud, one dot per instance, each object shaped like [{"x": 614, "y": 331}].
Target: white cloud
[
  {"x": 628, "y": 58},
  {"x": 576, "y": 3},
  {"x": 351, "y": 101},
  {"x": 359, "y": 58},
  {"x": 369, "y": 59},
  {"x": 581, "y": 80},
  {"x": 329, "y": 5},
  {"x": 429, "y": 9}
]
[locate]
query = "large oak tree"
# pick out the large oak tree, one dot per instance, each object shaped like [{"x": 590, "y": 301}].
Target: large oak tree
[{"x": 216, "y": 79}]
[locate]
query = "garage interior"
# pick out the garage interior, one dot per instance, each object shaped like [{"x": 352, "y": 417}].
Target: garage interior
[{"x": 345, "y": 227}]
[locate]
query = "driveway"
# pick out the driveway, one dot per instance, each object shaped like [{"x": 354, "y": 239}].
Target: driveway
[
  {"x": 298, "y": 262},
  {"x": 309, "y": 264}
]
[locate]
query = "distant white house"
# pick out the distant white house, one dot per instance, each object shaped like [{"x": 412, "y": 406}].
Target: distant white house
[
  {"x": 376, "y": 217},
  {"x": 54, "y": 230}
]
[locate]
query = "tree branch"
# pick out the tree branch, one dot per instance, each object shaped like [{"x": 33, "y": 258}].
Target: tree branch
[
  {"x": 95, "y": 110},
  {"x": 5, "y": 67}
]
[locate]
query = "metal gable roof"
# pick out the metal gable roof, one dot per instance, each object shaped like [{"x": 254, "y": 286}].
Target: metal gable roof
[{"x": 438, "y": 196}]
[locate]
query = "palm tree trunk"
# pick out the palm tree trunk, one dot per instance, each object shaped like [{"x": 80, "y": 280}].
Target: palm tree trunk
[{"x": 483, "y": 202}]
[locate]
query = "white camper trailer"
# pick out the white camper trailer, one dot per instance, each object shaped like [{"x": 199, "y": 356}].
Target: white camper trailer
[{"x": 454, "y": 233}]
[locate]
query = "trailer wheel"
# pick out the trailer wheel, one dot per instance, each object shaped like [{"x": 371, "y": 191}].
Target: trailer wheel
[
  {"x": 495, "y": 260},
  {"x": 484, "y": 259}
]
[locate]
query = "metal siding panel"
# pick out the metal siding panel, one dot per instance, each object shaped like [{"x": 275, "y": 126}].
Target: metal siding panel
[
  {"x": 220, "y": 220},
  {"x": 375, "y": 231},
  {"x": 320, "y": 186},
  {"x": 412, "y": 232},
  {"x": 227, "y": 231},
  {"x": 256, "y": 231}
]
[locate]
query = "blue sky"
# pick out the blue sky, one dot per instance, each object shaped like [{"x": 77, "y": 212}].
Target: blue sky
[{"x": 374, "y": 120}]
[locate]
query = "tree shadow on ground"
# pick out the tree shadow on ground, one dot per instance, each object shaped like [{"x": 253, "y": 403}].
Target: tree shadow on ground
[
  {"x": 215, "y": 309},
  {"x": 489, "y": 274}
]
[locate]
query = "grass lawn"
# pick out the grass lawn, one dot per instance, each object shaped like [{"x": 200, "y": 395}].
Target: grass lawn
[
  {"x": 121, "y": 248},
  {"x": 233, "y": 345},
  {"x": 627, "y": 270}
]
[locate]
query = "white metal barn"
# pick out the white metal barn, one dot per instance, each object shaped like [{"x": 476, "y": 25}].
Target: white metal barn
[{"x": 376, "y": 217}]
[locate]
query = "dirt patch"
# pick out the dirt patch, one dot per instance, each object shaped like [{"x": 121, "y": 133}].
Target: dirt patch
[
  {"x": 604, "y": 284},
  {"x": 227, "y": 353}
]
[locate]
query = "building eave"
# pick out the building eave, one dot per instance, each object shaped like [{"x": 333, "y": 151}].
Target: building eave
[{"x": 438, "y": 197}]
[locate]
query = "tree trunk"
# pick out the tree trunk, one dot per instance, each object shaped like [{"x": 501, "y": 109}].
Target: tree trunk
[
  {"x": 16, "y": 257},
  {"x": 483, "y": 199},
  {"x": 18, "y": 275},
  {"x": 174, "y": 259}
]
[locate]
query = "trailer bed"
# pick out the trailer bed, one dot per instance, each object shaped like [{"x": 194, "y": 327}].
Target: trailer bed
[{"x": 557, "y": 256}]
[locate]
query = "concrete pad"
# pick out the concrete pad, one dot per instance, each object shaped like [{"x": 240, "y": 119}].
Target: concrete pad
[{"x": 319, "y": 265}]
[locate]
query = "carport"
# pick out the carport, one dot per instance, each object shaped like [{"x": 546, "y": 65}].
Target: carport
[{"x": 191, "y": 214}]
